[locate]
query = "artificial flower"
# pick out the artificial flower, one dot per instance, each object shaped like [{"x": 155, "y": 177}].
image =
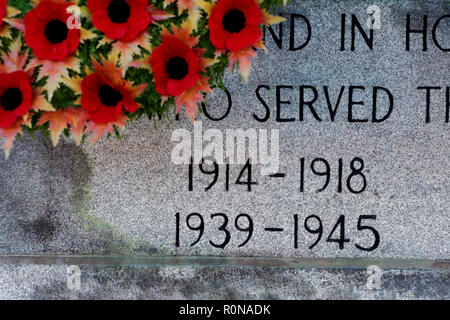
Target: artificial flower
[
  {"x": 179, "y": 68},
  {"x": 103, "y": 100},
  {"x": 2, "y": 11},
  {"x": 46, "y": 31},
  {"x": 235, "y": 30}
]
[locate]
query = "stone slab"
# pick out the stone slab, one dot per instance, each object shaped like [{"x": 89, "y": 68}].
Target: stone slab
[{"x": 236, "y": 283}]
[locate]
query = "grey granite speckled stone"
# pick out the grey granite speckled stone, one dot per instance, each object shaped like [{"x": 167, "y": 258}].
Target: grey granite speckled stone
[
  {"x": 121, "y": 282},
  {"x": 120, "y": 197}
]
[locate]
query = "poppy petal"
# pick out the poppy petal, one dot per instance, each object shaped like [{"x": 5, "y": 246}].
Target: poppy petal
[
  {"x": 36, "y": 21},
  {"x": 95, "y": 5},
  {"x": 27, "y": 95},
  {"x": 113, "y": 30},
  {"x": 89, "y": 97},
  {"x": 253, "y": 15},
  {"x": 218, "y": 35},
  {"x": 2, "y": 10},
  {"x": 106, "y": 114},
  {"x": 161, "y": 86},
  {"x": 129, "y": 103},
  {"x": 139, "y": 20}
]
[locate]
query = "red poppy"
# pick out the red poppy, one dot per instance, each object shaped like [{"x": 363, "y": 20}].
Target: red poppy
[
  {"x": 120, "y": 19},
  {"x": 46, "y": 31},
  {"x": 2, "y": 10},
  {"x": 175, "y": 67},
  {"x": 234, "y": 24},
  {"x": 104, "y": 101},
  {"x": 15, "y": 97}
]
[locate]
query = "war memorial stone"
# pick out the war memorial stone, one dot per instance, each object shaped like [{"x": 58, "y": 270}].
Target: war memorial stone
[{"x": 346, "y": 195}]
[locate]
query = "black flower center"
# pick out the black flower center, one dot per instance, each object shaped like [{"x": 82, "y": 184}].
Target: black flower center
[
  {"x": 118, "y": 11},
  {"x": 177, "y": 68},
  {"x": 108, "y": 96},
  {"x": 11, "y": 99},
  {"x": 234, "y": 21},
  {"x": 56, "y": 31}
]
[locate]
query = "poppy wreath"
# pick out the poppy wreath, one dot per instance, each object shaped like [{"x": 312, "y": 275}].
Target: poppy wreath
[{"x": 85, "y": 68}]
